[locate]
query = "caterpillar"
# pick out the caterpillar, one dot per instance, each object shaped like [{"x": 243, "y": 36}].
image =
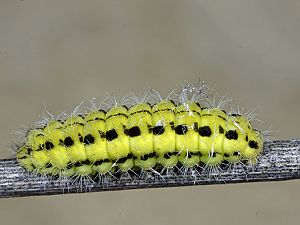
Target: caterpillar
[{"x": 145, "y": 134}]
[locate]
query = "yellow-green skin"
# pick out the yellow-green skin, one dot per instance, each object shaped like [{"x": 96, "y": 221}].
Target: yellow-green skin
[{"x": 141, "y": 137}]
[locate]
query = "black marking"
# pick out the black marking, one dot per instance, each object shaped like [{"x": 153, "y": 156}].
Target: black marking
[
  {"x": 235, "y": 115},
  {"x": 205, "y": 131},
  {"x": 207, "y": 114},
  {"x": 236, "y": 153},
  {"x": 97, "y": 118},
  {"x": 226, "y": 155},
  {"x": 222, "y": 118},
  {"x": 212, "y": 154},
  {"x": 163, "y": 110},
  {"x": 184, "y": 111},
  {"x": 102, "y": 134},
  {"x": 124, "y": 159},
  {"x": 246, "y": 137},
  {"x": 141, "y": 111},
  {"x": 134, "y": 131},
  {"x": 148, "y": 156},
  {"x": 221, "y": 129},
  {"x": 40, "y": 135},
  {"x": 158, "y": 130},
  {"x": 111, "y": 135},
  {"x": 49, "y": 145},
  {"x": 170, "y": 154},
  {"x": 23, "y": 157},
  {"x": 172, "y": 102},
  {"x": 125, "y": 130},
  {"x": 198, "y": 104},
  {"x": 70, "y": 166},
  {"x": 75, "y": 123},
  {"x": 49, "y": 165},
  {"x": 82, "y": 163},
  {"x": 181, "y": 129},
  {"x": 68, "y": 141},
  {"x": 29, "y": 150},
  {"x": 89, "y": 139},
  {"x": 172, "y": 125},
  {"x": 124, "y": 106},
  {"x": 253, "y": 144},
  {"x": 231, "y": 134},
  {"x": 118, "y": 114},
  {"x": 195, "y": 127},
  {"x": 80, "y": 137},
  {"x": 99, "y": 162}
]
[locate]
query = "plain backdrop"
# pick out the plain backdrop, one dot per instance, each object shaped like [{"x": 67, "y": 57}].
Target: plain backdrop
[{"x": 58, "y": 53}]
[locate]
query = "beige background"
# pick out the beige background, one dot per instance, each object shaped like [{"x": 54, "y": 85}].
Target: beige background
[{"x": 62, "y": 52}]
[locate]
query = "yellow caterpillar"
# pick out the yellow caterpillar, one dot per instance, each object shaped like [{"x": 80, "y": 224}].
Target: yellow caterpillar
[{"x": 143, "y": 136}]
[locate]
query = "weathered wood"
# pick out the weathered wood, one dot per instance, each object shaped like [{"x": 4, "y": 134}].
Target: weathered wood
[{"x": 280, "y": 161}]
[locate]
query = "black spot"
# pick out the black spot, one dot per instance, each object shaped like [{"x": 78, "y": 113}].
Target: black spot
[
  {"x": 253, "y": 144},
  {"x": 102, "y": 134},
  {"x": 213, "y": 154},
  {"x": 205, "y": 131},
  {"x": 23, "y": 157},
  {"x": 86, "y": 162},
  {"x": 124, "y": 159},
  {"x": 170, "y": 154},
  {"x": 172, "y": 125},
  {"x": 49, "y": 145},
  {"x": 246, "y": 137},
  {"x": 29, "y": 150},
  {"x": 99, "y": 162},
  {"x": 148, "y": 156},
  {"x": 235, "y": 115},
  {"x": 69, "y": 166},
  {"x": 134, "y": 131},
  {"x": 49, "y": 165},
  {"x": 198, "y": 104},
  {"x": 181, "y": 129},
  {"x": 236, "y": 153},
  {"x": 88, "y": 139},
  {"x": 68, "y": 141},
  {"x": 111, "y": 135},
  {"x": 158, "y": 130},
  {"x": 195, "y": 127},
  {"x": 226, "y": 155},
  {"x": 231, "y": 134},
  {"x": 221, "y": 130},
  {"x": 80, "y": 137}
]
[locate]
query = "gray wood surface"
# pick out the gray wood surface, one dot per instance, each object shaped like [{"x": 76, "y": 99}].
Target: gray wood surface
[{"x": 280, "y": 161}]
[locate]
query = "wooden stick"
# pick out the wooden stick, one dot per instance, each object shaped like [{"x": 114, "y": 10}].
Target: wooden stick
[{"x": 280, "y": 161}]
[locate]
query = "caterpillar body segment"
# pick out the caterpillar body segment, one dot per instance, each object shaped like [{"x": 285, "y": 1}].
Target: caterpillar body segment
[{"x": 143, "y": 137}]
